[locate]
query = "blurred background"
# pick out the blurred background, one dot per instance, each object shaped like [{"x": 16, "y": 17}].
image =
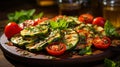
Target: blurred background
[
  {"x": 8, "y": 6},
  {"x": 49, "y": 7}
]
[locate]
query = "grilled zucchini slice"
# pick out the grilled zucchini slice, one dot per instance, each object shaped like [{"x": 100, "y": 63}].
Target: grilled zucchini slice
[
  {"x": 34, "y": 30},
  {"x": 34, "y": 47},
  {"x": 20, "y": 41},
  {"x": 54, "y": 36},
  {"x": 71, "y": 38}
]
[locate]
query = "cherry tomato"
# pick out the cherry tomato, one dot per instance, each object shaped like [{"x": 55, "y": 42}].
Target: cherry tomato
[
  {"x": 38, "y": 21},
  {"x": 86, "y": 18},
  {"x": 56, "y": 17},
  {"x": 56, "y": 48},
  {"x": 26, "y": 23},
  {"x": 11, "y": 29},
  {"x": 101, "y": 43},
  {"x": 100, "y": 21},
  {"x": 35, "y": 22},
  {"x": 59, "y": 17}
]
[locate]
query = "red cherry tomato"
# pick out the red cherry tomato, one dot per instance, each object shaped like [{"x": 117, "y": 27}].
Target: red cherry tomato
[
  {"x": 56, "y": 17},
  {"x": 100, "y": 21},
  {"x": 101, "y": 43},
  {"x": 56, "y": 48},
  {"x": 86, "y": 18},
  {"x": 12, "y": 29},
  {"x": 35, "y": 22},
  {"x": 38, "y": 21},
  {"x": 26, "y": 23},
  {"x": 59, "y": 17}
]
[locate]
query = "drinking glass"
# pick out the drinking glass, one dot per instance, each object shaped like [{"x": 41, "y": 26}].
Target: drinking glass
[
  {"x": 111, "y": 11},
  {"x": 69, "y": 7}
]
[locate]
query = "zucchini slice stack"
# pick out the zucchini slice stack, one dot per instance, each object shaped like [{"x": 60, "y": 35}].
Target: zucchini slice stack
[{"x": 55, "y": 35}]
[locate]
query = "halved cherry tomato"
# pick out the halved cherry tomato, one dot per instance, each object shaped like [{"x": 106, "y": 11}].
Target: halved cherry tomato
[
  {"x": 38, "y": 21},
  {"x": 56, "y": 48},
  {"x": 101, "y": 43},
  {"x": 11, "y": 29},
  {"x": 32, "y": 22},
  {"x": 100, "y": 21},
  {"x": 58, "y": 17},
  {"x": 26, "y": 23},
  {"x": 86, "y": 18}
]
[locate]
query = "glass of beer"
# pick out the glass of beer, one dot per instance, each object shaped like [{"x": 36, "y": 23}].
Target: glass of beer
[
  {"x": 69, "y": 7},
  {"x": 111, "y": 11}
]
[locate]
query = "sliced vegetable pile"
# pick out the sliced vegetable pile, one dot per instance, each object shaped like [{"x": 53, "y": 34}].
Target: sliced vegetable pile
[{"x": 61, "y": 34}]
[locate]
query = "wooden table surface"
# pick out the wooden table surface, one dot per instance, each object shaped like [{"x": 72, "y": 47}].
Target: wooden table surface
[{"x": 6, "y": 7}]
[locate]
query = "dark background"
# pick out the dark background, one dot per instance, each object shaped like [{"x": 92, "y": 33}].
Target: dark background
[{"x": 7, "y": 6}]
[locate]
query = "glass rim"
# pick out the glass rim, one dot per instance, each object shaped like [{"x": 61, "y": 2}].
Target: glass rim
[{"x": 111, "y": 2}]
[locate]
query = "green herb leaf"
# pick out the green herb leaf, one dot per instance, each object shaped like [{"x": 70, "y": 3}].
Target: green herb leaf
[
  {"x": 109, "y": 63},
  {"x": 82, "y": 39},
  {"x": 110, "y": 30},
  {"x": 61, "y": 24},
  {"x": 53, "y": 24},
  {"x": 20, "y": 16},
  {"x": 30, "y": 12},
  {"x": 38, "y": 15},
  {"x": 87, "y": 50}
]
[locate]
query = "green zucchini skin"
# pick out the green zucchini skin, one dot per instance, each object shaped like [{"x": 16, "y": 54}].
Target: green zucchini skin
[
  {"x": 20, "y": 41},
  {"x": 35, "y": 47},
  {"x": 70, "y": 38},
  {"x": 34, "y": 31},
  {"x": 54, "y": 36}
]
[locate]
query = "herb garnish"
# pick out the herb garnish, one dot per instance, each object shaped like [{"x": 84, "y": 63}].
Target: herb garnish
[
  {"x": 20, "y": 16},
  {"x": 110, "y": 30},
  {"x": 111, "y": 63},
  {"x": 87, "y": 50},
  {"x": 60, "y": 24}
]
